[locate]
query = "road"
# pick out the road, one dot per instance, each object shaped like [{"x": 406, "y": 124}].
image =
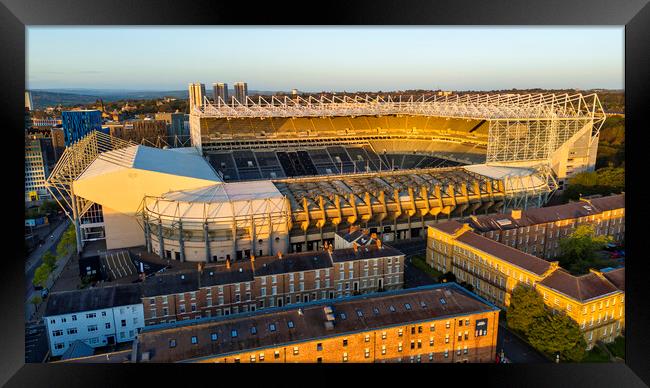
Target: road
[
  {"x": 36, "y": 346},
  {"x": 516, "y": 350},
  {"x": 35, "y": 259}
]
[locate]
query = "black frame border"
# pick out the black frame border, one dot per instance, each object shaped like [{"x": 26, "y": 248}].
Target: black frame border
[{"x": 15, "y": 15}]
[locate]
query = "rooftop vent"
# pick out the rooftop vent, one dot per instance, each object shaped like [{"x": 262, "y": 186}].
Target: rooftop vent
[{"x": 504, "y": 222}]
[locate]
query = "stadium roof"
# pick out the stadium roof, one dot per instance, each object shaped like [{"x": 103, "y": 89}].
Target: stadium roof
[
  {"x": 224, "y": 200},
  {"x": 516, "y": 179},
  {"x": 469, "y": 106}
]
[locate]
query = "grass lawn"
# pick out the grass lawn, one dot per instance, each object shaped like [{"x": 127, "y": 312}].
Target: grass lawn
[
  {"x": 596, "y": 354},
  {"x": 421, "y": 264},
  {"x": 617, "y": 347}
]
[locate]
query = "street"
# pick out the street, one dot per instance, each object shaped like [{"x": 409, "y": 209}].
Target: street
[
  {"x": 35, "y": 259},
  {"x": 516, "y": 350}
]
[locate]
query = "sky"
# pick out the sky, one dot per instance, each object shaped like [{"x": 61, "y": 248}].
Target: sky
[{"x": 327, "y": 58}]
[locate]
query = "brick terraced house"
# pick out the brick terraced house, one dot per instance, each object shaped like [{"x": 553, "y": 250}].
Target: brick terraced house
[
  {"x": 538, "y": 231},
  {"x": 271, "y": 281}
]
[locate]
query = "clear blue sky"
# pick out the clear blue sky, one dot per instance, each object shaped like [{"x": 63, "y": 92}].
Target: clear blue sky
[{"x": 329, "y": 58}]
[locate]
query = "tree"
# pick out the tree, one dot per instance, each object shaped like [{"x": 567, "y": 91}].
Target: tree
[
  {"x": 36, "y": 300},
  {"x": 41, "y": 274},
  {"x": 578, "y": 251},
  {"x": 49, "y": 207},
  {"x": 526, "y": 306},
  {"x": 558, "y": 333},
  {"x": 67, "y": 243},
  {"x": 49, "y": 259},
  {"x": 603, "y": 181}
]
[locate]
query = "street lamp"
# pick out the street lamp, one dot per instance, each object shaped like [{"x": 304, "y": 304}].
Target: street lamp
[{"x": 557, "y": 357}]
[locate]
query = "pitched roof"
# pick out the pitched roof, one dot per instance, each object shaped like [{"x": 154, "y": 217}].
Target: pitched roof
[
  {"x": 504, "y": 252},
  {"x": 171, "y": 283},
  {"x": 308, "y": 324},
  {"x": 363, "y": 253},
  {"x": 449, "y": 227},
  {"x": 581, "y": 288},
  {"x": 616, "y": 277},
  {"x": 504, "y": 221},
  {"x": 292, "y": 262},
  {"x": 90, "y": 299}
]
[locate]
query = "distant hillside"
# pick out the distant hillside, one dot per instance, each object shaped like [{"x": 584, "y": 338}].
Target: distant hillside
[{"x": 69, "y": 97}]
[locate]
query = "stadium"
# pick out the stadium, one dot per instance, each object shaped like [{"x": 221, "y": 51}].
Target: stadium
[{"x": 285, "y": 174}]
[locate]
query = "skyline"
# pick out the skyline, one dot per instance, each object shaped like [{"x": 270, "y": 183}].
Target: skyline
[{"x": 326, "y": 59}]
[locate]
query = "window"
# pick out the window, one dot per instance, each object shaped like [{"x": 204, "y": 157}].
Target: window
[
  {"x": 345, "y": 342},
  {"x": 92, "y": 327},
  {"x": 108, "y": 325},
  {"x": 446, "y": 338},
  {"x": 194, "y": 340},
  {"x": 447, "y": 325},
  {"x": 59, "y": 345},
  {"x": 272, "y": 327},
  {"x": 345, "y": 357},
  {"x": 419, "y": 329},
  {"x": 252, "y": 358},
  {"x": 261, "y": 357},
  {"x": 407, "y": 305},
  {"x": 375, "y": 310},
  {"x": 74, "y": 318},
  {"x": 123, "y": 322},
  {"x": 89, "y": 315},
  {"x": 367, "y": 339},
  {"x": 213, "y": 336},
  {"x": 383, "y": 335},
  {"x": 391, "y": 308},
  {"x": 319, "y": 347},
  {"x": 253, "y": 330},
  {"x": 399, "y": 332},
  {"x": 57, "y": 333},
  {"x": 233, "y": 333},
  {"x": 104, "y": 312},
  {"x": 366, "y": 352},
  {"x": 72, "y": 331},
  {"x": 276, "y": 354},
  {"x": 412, "y": 344},
  {"x": 446, "y": 353},
  {"x": 295, "y": 350},
  {"x": 172, "y": 343},
  {"x": 383, "y": 349},
  {"x": 432, "y": 327},
  {"x": 343, "y": 316},
  {"x": 399, "y": 346},
  {"x": 419, "y": 344},
  {"x": 430, "y": 341},
  {"x": 290, "y": 324},
  {"x": 360, "y": 313}
]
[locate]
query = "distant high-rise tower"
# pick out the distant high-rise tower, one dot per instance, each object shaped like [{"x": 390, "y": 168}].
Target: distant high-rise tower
[
  {"x": 220, "y": 90},
  {"x": 197, "y": 91},
  {"x": 29, "y": 105},
  {"x": 241, "y": 92}
]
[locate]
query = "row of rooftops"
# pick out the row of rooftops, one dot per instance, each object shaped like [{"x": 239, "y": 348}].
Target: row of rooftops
[
  {"x": 582, "y": 288},
  {"x": 189, "y": 280},
  {"x": 306, "y": 322},
  {"x": 520, "y": 218}
]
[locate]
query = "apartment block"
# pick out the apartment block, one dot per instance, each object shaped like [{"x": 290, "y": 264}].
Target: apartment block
[
  {"x": 96, "y": 316},
  {"x": 439, "y": 323},
  {"x": 538, "y": 231}
]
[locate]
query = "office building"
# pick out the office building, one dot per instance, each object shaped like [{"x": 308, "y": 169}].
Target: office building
[
  {"x": 39, "y": 162},
  {"x": 96, "y": 316},
  {"x": 79, "y": 123},
  {"x": 220, "y": 91},
  {"x": 196, "y": 94},
  {"x": 494, "y": 270},
  {"x": 58, "y": 142},
  {"x": 241, "y": 92},
  {"x": 29, "y": 104},
  {"x": 439, "y": 323}
]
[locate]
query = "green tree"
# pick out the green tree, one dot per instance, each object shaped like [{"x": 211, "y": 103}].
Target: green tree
[
  {"x": 49, "y": 207},
  {"x": 67, "y": 243},
  {"x": 36, "y": 300},
  {"x": 41, "y": 274},
  {"x": 558, "y": 333},
  {"x": 603, "y": 181},
  {"x": 578, "y": 251},
  {"x": 49, "y": 259},
  {"x": 526, "y": 306}
]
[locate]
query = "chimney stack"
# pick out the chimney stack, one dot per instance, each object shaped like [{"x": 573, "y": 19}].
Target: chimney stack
[
  {"x": 516, "y": 214},
  {"x": 355, "y": 247},
  {"x": 280, "y": 255},
  {"x": 227, "y": 263},
  {"x": 378, "y": 241},
  {"x": 200, "y": 266},
  {"x": 252, "y": 259}
]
